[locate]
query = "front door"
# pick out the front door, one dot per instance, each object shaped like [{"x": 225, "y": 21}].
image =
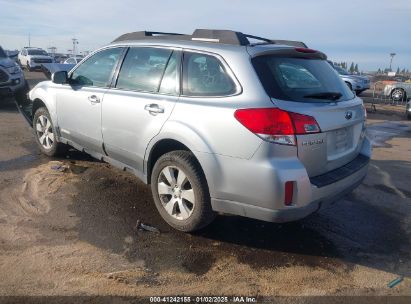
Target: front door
[{"x": 79, "y": 101}]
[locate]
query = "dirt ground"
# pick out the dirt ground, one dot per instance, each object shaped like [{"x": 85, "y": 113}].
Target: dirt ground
[{"x": 67, "y": 227}]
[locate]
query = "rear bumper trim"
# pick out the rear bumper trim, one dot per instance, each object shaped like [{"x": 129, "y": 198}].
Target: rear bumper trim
[{"x": 340, "y": 173}]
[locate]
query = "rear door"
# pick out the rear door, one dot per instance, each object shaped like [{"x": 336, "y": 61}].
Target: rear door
[
  {"x": 307, "y": 84},
  {"x": 144, "y": 95}
]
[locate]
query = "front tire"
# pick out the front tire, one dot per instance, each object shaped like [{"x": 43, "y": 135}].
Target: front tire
[
  {"x": 180, "y": 191},
  {"x": 45, "y": 133}
]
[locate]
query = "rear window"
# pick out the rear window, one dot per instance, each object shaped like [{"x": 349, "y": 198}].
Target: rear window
[{"x": 300, "y": 79}]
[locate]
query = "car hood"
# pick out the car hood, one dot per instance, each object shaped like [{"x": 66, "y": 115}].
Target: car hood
[
  {"x": 50, "y": 68},
  {"x": 40, "y": 57},
  {"x": 351, "y": 77},
  {"x": 359, "y": 77},
  {"x": 7, "y": 62}
]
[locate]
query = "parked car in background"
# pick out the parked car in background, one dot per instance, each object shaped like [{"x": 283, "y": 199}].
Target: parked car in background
[
  {"x": 213, "y": 122},
  {"x": 73, "y": 60},
  {"x": 60, "y": 58},
  {"x": 49, "y": 69},
  {"x": 32, "y": 58},
  {"x": 13, "y": 55},
  {"x": 356, "y": 83},
  {"x": 408, "y": 109},
  {"x": 12, "y": 80},
  {"x": 398, "y": 91}
]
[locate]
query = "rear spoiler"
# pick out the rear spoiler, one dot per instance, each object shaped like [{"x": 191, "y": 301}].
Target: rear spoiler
[
  {"x": 296, "y": 52},
  {"x": 290, "y": 43}
]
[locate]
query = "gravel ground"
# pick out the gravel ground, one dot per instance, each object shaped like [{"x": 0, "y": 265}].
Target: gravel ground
[{"x": 67, "y": 228}]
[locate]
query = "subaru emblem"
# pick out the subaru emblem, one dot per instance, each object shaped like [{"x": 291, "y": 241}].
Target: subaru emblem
[{"x": 348, "y": 115}]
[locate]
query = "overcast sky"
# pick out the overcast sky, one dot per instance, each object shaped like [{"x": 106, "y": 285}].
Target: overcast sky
[{"x": 363, "y": 31}]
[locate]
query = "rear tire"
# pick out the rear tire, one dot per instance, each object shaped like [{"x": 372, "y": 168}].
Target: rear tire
[
  {"x": 45, "y": 133},
  {"x": 180, "y": 191}
]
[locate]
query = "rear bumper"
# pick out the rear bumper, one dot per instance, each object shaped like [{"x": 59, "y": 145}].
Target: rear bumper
[
  {"x": 260, "y": 194},
  {"x": 322, "y": 197}
]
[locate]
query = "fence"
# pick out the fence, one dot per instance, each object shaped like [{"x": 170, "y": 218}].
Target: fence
[{"x": 378, "y": 96}]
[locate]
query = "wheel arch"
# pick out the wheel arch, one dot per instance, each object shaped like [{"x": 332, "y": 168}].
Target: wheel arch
[
  {"x": 37, "y": 104},
  {"x": 41, "y": 96},
  {"x": 163, "y": 146}
]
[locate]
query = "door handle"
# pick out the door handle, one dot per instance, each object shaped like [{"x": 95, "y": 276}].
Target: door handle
[
  {"x": 153, "y": 108},
  {"x": 94, "y": 99}
]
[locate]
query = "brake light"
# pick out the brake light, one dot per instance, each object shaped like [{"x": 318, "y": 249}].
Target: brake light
[
  {"x": 276, "y": 125},
  {"x": 305, "y": 50}
]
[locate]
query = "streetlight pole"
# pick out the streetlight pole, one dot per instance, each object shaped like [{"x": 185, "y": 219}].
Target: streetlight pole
[
  {"x": 75, "y": 42},
  {"x": 392, "y": 57}
]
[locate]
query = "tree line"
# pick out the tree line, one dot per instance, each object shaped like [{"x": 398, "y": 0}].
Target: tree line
[
  {"x": 353, "y": 67},
  {"x": 398, "y": 72}
]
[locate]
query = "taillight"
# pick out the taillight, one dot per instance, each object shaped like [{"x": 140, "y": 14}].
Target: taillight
[
  {"x": 276, "y": 125},
  {"x": 304, "y": 124}
]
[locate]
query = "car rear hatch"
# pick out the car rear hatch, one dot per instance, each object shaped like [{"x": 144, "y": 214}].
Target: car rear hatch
[{"x": 301, "y": 81}]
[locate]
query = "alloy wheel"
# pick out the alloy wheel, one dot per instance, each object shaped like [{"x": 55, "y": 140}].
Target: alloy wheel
[
  {"x": 397, "y": 95},
  {"x": 44, "y": 131},
  {"x": 176, "y": 192}
]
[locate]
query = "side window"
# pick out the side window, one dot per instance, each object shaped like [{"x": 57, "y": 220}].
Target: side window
[
  {"x": 169, "y": 83},
  {"x": 143, "y": 69},
  {"x": 204, "y": 75},
  {"x": 96, "y": 71}
]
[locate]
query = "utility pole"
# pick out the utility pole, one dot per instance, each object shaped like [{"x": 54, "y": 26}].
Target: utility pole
[
  {"x": 392, "y": 57},
  {"x": 29, "y": 40},
  {"x": 75, "y": 42},
  {"x": 52, "y": 49}
]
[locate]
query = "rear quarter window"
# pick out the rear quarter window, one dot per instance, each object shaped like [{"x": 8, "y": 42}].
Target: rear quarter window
[{"x": 205, "y": 75}]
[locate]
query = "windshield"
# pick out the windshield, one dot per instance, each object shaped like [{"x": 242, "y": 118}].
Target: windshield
[
  {"x": 2, "y": 53},
  {"x": 340, "y": 70},
  {"x": 300, "y": 79},
  {"x": 37, "y": 52}
]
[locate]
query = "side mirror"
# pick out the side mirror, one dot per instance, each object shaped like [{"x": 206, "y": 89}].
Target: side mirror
[{"x": 59, "y": 77}]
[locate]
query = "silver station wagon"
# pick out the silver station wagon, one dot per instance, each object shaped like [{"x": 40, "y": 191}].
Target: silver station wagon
[{"x": 217, "y": 122}]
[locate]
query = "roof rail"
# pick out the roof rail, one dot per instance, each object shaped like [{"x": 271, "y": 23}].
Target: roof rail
[
  {"x": 208, "y": 35},
  {"x": 145, "y": 34}
]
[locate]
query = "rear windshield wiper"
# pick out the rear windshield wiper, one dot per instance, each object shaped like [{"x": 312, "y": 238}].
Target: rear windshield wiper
[{"x": 325, "y": 95}]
